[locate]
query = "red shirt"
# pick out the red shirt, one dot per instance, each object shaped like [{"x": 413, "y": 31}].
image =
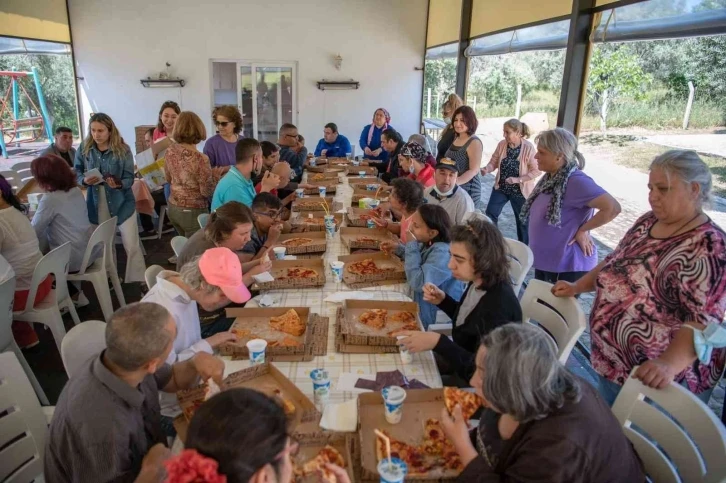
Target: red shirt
[
  {"x": 258, "y": 189},
  {"x": 425, "y": 177}
]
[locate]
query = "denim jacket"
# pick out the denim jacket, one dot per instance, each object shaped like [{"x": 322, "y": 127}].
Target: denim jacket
[
  {"x": 121, "y": 202},
  {"x": 429, "y": 265}
]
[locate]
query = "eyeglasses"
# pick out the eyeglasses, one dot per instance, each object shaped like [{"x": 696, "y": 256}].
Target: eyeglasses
[
  {"x": 223, "y": 123},
  {"x": 271, "y": 214}
]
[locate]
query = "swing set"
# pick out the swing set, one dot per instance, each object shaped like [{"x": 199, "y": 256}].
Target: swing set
[{"x": 12, "y": 125}]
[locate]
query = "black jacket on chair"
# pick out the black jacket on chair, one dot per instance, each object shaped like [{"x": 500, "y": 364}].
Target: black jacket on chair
[{"x": 497, "y": 307}]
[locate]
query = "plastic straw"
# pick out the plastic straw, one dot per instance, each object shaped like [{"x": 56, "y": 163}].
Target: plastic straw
[
  {"x": 377, "y": 191},
  {"x": 388, "y": 447}
]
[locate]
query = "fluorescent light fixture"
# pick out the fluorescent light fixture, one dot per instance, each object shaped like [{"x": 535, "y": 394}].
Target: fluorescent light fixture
[{"x": 162, "y": 82}]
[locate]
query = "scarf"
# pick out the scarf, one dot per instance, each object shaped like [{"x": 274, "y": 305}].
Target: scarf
[
  {"x": 373, "y": 124},
  {"x": 556, "y": 185}
]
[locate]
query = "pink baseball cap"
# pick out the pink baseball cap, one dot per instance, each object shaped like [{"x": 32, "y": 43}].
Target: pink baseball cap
[{"x": 221, "y": 267}]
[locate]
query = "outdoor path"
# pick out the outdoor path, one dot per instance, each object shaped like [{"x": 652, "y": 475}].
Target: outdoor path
[{"x": 714, "y": 144}]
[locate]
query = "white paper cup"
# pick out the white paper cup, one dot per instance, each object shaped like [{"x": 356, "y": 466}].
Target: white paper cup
[
  {"x": 406, "y": 357},
  {"x": 392, "y": 472},
  {"x": 365, "y": 203},
  {"x": 300, "y": 192},
  {"x": 361, "y": 174},
  {"x": 393, "y": 397},
  {"x": 329, "y": 221},
  {"x": 321, "y": 385},
  {"x": 373, "y": 204},
  {"x": 257, "y": 347},
  {"x": 312, "y": 162},
  {"x": 321, "y": 191},
  {"x": 337, "y": 269},
  {"x": 279, "y": 252},
  {"x": 372, "y": 186}
]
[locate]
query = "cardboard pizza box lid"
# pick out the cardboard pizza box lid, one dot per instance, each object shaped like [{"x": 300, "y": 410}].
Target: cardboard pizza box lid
[
  {"x": 356, "y": 334},
  {"x": 355, "y": 170},
  {"x": 345, "y": 348},
  {"x": 279, "y": 271},
  {"x": 314, "y": 203},
  {"x": 318, "y": 244}
]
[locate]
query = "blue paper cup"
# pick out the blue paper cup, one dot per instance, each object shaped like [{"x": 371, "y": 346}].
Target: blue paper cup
[
  {"x": 256, "y": 348},
  {"x": 393, "y": 397},
  {"x": 393, "y": 471},
  {"x": 370, "y": 223}
]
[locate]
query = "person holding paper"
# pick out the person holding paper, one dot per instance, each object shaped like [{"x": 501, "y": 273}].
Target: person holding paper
[{"x": 105, "y": 166}]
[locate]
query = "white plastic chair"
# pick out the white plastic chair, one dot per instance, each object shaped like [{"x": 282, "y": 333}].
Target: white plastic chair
[
  {"x": 22, "y": 422},
  {"x": 475, "y": 214},
  {"x": 561, "y": 318},
  {"x": 676, "y": 435},
  {"x": 22, "y": 168},
  {"x": 151, "y": 273},
  {"x": 177, "y": 243},
  {"x": 202, "y": 220},
  {"x": 102, "y": 268},
  {"x": 47, "y": 312},
  {"x": 162, "y": 216},
  {"x": 521, "y": 259},
  {"x": 82, "y": 342},
  {"x": 7, "y": 341}
]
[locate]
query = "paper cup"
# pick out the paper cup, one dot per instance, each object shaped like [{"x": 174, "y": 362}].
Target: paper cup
[
  {"x": 365, "y": 203},
  {"x": 373, "y": 204},
  {"x": 393, "y": 397},
  {"x": 372, "y": 186},
  {"x": 393, "y": 471},
  {"x": 337, "y": 269},
  {"x": 356, "y": 162},
  {"x": 300, "y": 192},
  {"x": 361, "y": 174},
  {"x": 257, "y": 347},
  {"x": 321, "y": 191},
  {"x": 321, "y": 385},
  {"x": 312, "y": 162},
  {"x": 279, "y": 252},
  {"x": 370, "y": 223},
  {"x": 406, "y": 357},
  {"x": 329, "y": 221}
]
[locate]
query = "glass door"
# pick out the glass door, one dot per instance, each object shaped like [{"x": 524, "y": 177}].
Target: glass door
[{"x": 267, "y": 97}]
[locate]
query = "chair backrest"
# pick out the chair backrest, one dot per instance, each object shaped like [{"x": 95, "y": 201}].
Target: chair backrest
[
  {"x": 677, "y": 436},
  {"x": 475, "y": 214},
  {"x": 22, "y": 422},
  {"x": 7, "y": 293},
  {"x": 54, "y": 262},
  {"x": 178, "y": 242},
  {"x": 561, "y": 318},
  {"x": 151, "y": 273},
  {"x": 521, "y": 259},
  {"x": 82, "y": 342},
  {"x": 22, "y": 168},
  {"x": 202, "y": 220},
  {"x": 103, "y": 234}
]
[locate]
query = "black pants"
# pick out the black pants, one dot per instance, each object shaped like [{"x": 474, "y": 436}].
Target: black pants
[
  {"x": 147, "y": 222},
  {"x": 497, "y": 200}
]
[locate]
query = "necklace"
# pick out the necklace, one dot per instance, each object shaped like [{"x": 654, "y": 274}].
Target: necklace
[{"x": 684, "y": 225}]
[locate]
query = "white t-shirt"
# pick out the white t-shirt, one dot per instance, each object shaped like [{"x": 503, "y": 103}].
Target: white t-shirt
[
  {"x": 19, "y": 246},
  {"x": 6, "y": 271}
]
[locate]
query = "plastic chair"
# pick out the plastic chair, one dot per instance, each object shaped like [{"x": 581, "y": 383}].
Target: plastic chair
[
  {"x": 178, "y": 242},
  {"x": 47, "y": 312},
  {"x": 202, "y": 220},
  {"x": 162, "y": 216},
  {"x": 676, "y": 435},
  {"x": 475, "y": 214},
  {"x": 521, "y": 259},
  {"x": 151, "y": 273},
  {"x": 22, "y": 168},
  {"x": 561, "y": 318},
  {"x": 7, "y": 341},
  {"x": 102, "y": 268},
  {"x": 82, "y": 342},
  {"x": 23, "y": 425}
]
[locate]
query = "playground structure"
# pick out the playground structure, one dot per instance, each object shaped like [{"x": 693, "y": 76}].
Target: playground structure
[{"x": 13, "y": 127}]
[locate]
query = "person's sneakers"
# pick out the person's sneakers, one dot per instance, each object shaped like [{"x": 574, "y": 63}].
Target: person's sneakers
[
  {"x": 148, "y": 235},
  {"x": 81, "y": 301},
  {"x": 168, "y": 228}
]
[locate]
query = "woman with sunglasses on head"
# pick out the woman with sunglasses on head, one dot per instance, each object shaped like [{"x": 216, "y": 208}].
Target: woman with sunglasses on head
[
  {"x": 220, "y": 147},
  {"x": 238, "y": 436}
]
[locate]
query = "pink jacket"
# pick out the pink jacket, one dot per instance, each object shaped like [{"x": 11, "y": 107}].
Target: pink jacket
[{"x": 528, "y": 170}]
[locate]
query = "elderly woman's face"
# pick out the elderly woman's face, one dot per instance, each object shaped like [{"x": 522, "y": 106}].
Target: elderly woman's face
[
  {"x": 512, "y": 136},
  {"x": 224, "y": 126},
  {"x": 548, "y": 161},
  {"x": 671, "y": 199},
  {"x": 379, "y": 118}
]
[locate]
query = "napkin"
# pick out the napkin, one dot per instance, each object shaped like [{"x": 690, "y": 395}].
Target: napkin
[
  {"x": 263, "y": 277},
  {"x": 341, "y": 417},
  {"x": 340, "y": 297},
  {"x": 267, "y": 300}
]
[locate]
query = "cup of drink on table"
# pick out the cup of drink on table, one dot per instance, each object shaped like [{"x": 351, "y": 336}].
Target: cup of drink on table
[
  {"x": 279, "y": 252},
  {"x": 321, "y": 191},
  {"x": 329, "y": 221},
  {"x": 392, "y": 471},
  {"x": 321, "y": 385},
  {"x": 361, "y": 174},
  {"x": 300, "y": 192},
  {"x": 257, "y": 347},
  {"x": 337, "y": 269},
  {"x": 393, "y": 397}
]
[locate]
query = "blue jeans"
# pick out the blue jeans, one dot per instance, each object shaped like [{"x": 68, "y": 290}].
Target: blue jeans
[
  {"x": 497, "y": 200},
  {"x": 609, "y": 390}
]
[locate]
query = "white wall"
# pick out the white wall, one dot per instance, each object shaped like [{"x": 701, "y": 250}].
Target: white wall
[{"x": 119, "y": 42}]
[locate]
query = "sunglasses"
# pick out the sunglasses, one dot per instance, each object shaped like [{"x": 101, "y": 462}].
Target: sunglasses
[{"x": 223, "y": 123}]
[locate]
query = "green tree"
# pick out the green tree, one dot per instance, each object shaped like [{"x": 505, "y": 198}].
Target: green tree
[
  {"x": 494, "y": 79},
  {"x": 440, "y": 77},
  {"x": 56, "y": 79},
  {"x": 615, "y": 73}
]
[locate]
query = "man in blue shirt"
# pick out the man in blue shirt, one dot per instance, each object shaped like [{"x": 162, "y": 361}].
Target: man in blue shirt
[
  {"x": 333, "y": 144},
  {"x": 237, "y": 184},
  {"x": 291, "y": 149}
]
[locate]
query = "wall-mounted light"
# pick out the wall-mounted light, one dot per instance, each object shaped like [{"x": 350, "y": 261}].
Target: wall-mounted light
[
  {"x": 162, "y": 82},
  {"x": 325, "y": 85}
]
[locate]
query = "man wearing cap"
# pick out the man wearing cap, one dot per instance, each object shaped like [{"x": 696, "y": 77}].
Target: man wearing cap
[
  {"x": 413, "y": 163},
  {"x": 212, "y": 280},
  {"x": 446, "y": 193}
]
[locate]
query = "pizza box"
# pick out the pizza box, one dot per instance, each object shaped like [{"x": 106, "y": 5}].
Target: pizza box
[
  {"x": 353, "y": 216},
  {"x": 345, "y": 348},
  {"x": 350, "y": 237},
  {"x": 256, "y": 320},
  {"x": 312, "y": 443},
  {"x": 264, "y": 378},
  {"x": 396, "y": 273},
  {"x": 326, "y": 169},
  {"x": 355, "y": 170},
  {"x": 364, "y": 192},
  {"x": 355, "y": 333},
  {"x": 318, "y": 160},
  {"x": 364, "y": 181},
  {"x": 318, "y": 243},
  {"x": 321, "y": 176},
  {"x": 304, "y": 223},
  {"x": 340, "y": 160},
  {"x": 279, "y": 271},
  {"x": 420, "y": 405},
  {"x": 331, "y": 186},
  {"x": 313, "y": 203},
  {"x": 360, "y": 194}
]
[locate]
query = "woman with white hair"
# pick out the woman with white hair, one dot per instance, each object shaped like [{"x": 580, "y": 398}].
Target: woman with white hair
[
  {"x": 540, "y": 422},
  {"x": 560, "y": 210},
  {"x": 659, "y": 297}
]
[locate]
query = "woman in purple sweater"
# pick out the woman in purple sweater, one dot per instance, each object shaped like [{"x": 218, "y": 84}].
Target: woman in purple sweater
[{"x": 220, "y": 147}]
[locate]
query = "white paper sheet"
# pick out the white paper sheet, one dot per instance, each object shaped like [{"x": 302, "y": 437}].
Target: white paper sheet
[{"x": 341, "y": 417}]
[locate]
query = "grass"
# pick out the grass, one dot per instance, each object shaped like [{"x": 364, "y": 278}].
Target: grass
[{"x": 631, "y": 152}]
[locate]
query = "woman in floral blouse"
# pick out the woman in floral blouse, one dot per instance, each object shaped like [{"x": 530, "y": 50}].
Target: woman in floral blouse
[
  {"x": 663, "y": 284},
  {"x": 190, "y": 174}
]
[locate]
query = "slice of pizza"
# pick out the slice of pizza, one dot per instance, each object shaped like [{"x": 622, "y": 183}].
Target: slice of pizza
[
  {"x": 406, "y": 317},
  {"x": 412, "y": 456},
  {"x": 241, "y": 333},
  {"x": 286, "y": 404},
  {"x": 316, "y": 466},
  {"x": 375, "y": 318},
  {"x": 289, "y": 322},
  {"x": 296, "y": 242},
  {"x": 301, "y": 273},
  {"x": 367, "y": 240},
  {"x": 468, "y": 401},
  {"x": 434, "y": 437},
  {"x": 364, "y": 267}
]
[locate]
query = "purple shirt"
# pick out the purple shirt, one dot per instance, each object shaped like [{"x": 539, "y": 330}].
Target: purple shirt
[
  {"x": 549, "y": 243},
  {"x": 220, "y": 152}
]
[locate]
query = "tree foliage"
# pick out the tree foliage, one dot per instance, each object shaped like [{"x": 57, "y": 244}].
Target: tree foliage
[
  {"x": 440, "y": 77},
  {"x": 494, "y": 79}
]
